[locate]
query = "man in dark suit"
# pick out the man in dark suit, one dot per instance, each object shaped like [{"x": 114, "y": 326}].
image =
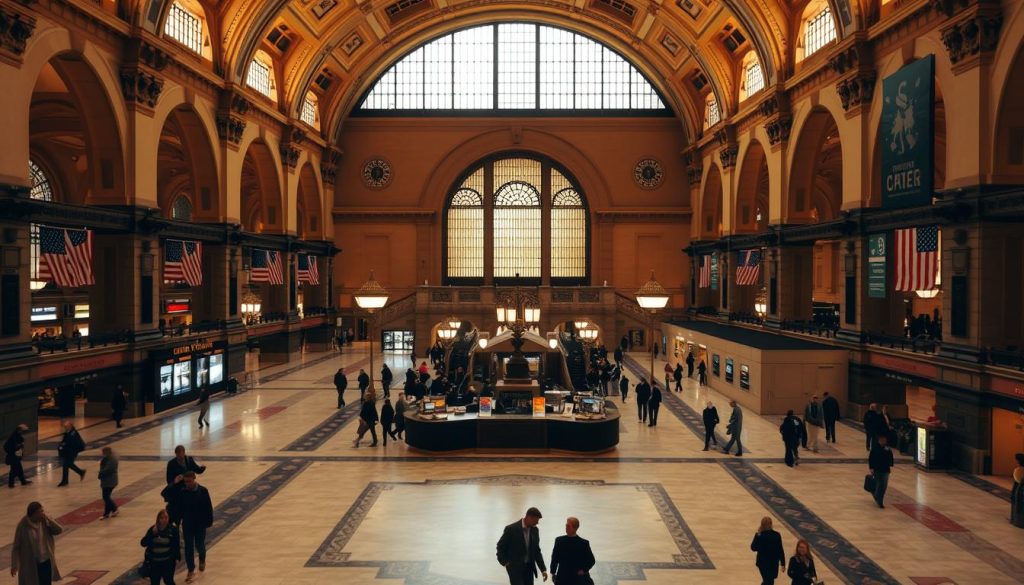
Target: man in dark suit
[
  {"x": 571, "y": 559},
  {"x": 643, "y": 396},
  {"x": 711, "y": 420},
  {"x": 830, "y": 406},
  {"x": 519, "y": 550}
]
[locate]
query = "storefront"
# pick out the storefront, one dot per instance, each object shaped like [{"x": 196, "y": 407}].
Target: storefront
[
  {"x": 398, "y": 341},
  {"x": 181, "y": 373}
]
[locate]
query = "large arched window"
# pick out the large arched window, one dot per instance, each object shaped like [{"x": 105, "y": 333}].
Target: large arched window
[
  {"x": 818, "y": 29},
  {"x": 43, "y": 191},
  {"x": 512, "y": 67},
  {"x": 182, "y": 208},
  {"x": 527, "y": 215}
]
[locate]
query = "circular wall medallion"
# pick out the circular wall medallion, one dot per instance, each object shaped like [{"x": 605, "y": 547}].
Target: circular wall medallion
[
  {"x": 377, "y": 173},
  {"x": 648, "y": 173}
]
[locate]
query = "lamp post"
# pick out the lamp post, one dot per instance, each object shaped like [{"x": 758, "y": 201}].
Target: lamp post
[
  {"x": 370, "y": 297},
  {"x": 518, "y": 311},
  {"x": 251, "y": 306},
  {"x": 652, "y": 297}
]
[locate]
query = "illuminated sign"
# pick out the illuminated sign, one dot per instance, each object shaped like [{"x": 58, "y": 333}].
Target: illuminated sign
[
  {"x": 922, "y": 446},
  {"x": 177, "y": 306},
  {"x": 44, "y": 314}
]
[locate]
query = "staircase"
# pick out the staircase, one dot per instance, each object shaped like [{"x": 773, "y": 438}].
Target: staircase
[
  {"x": 575, "y": 361},
  {"x": 458, "y": 354}
]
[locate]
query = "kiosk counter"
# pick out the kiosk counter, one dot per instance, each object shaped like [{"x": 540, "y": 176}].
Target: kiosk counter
[{"x": 588, "y": 433}]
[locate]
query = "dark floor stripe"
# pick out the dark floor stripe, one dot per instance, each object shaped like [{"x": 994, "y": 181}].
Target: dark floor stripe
[
  {"x": 235, "y": 509},
  {"x": 982, "y": 484},
  {"x": 317, "y": 436},
  {"x": 554, "y": 458},
  {"x": 845, "y": 559}
]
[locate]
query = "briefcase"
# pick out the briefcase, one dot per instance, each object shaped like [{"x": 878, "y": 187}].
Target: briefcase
[{"x": 869, "y": 483}]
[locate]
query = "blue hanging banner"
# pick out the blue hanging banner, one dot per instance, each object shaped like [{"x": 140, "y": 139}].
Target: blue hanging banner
[
  {"x": 906, "y": 135},
  {"x": 714, "y": 271}
]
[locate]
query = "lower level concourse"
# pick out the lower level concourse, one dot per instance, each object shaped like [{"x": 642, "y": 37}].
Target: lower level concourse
[{"x": 294, "y": 501}]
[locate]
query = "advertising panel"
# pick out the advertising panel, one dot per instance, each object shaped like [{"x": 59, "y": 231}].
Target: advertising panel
[
  {"x": 906, "y": 135},
  {"x": 876, "y": 266},
  {"x": 728, "y": 370}
]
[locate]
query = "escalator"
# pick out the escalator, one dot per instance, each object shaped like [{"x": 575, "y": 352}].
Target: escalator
[{"x": 575, "y": 361}]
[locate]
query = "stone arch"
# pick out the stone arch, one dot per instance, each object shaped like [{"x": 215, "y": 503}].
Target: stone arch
[
  {"x": 74, "y": 127},
  {"x": 751, "y": 213},
  {"x": 261, "y": 203},
  {"x": 1008, "y": 142},
  {"x": 711, "y": 206},
  {"x": 816, "y": 171},
  {"x": 186, "y": 165},
  {"x": 309, "y": 211}
]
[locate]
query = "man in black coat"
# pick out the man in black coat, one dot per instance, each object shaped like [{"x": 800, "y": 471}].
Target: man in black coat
[
  {"x": 618, "y": 355},
  {"x": 689, "y": 364},
  {"x": 831, "y": 408},
  {"x": 118, "y": 404},
  {"x": 193, "y": 509},
  {"x": 340, "y": 383},
  {"x": 364, "y": 382},
  {"x": 643, "y": 396},
  {"x": 68, "y": 449},
  {"x": 654, "y": 405},
  {"x": 386, "y": 377},
  {"x": 710, "y": 416},
  {"x": 771, "y": 557},
  {"x": 623, "y": 387},
  {"x": 519, "y": 549},
  {"x": 790, "y": 431},
  {"x": 14, "y": 451},
  {"x": 870, "y": 421},
  {"x": 572, "y": 558},
  {"x": 880, "y": 461}
]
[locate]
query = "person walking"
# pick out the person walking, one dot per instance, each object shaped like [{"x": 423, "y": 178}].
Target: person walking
[
  {"x": 711, "y": 420},
  {"x": 1017, "y": 493},
  {"x": 690, "y": 360},
  {"x": 790, "y": 431},
  {"x": 204, "y": 407},
  {"x": 386, "y": 378},
  {"x": 14, "y": 452},
  {"x": 654, "y": 405},
  {"x": 194, "y": 512},
  {"x": 677, "y": 374},
  {"x": 400, "y": 407},
  {"x": 702, "y": 374},
  {"x": 571, "y": 558},
  {"x": 163, "y": 549},
  {"x": 771, "y": 558},
  {"x": 643, "y": 396},
  {"x": 668, "y": 376},
  {"x": 814, "y": 417},
  {"x": 34, "y": 553},
  {"x": 618, "y": 355},
  {"x": 108, "y": 481},
  {"x": 518, "y": 549},
  {"x": 623, "y": 387},
  {"x": 734, "y": 429},
  {"x": 118, "y": 404},
  {"x": 801, "y": 566},
  {"x": 880, "y": 461},
  {"x": 830, "y": 409},
  {"x": 364, "y": 381},
  {"x": 387, "y": 418},
  {"x": 367, "y": 420},
  {"x": 181, "y": 464},
  {"x": 870, "y": 422},
  {"x": 340, "y": 383},
  {"x": 605, "y": 377},
  {"x": 71, "y": 444}
]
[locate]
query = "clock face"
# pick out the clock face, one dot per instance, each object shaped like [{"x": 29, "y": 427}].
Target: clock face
[
  {"x": 648, "y": 173},
  {"x": 377, "y": 173}
]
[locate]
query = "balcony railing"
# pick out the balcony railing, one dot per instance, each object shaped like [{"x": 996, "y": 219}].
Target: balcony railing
[{"x": 920, "y": 344}]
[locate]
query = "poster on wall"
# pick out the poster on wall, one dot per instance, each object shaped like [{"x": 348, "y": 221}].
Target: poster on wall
[
  {"x": 166, "y": 385},
  {"x": 906, "y": 135},
  {"x": 716, "y": 365},
  {"x": 714, "y": 271},
  {"x": 728, "y": 370},
  {"x": 216, "y": 368},
  {"x": 876, "y": 266},
  {"x": 182, "y": 377},
  {"x": 744, "y": 377}
]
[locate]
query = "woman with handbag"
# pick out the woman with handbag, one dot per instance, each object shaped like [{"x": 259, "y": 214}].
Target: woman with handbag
[
  {"x": 771, "y": 557},
  {"x": 801, "y": 566},
  {"x": 163, "y": 550}
]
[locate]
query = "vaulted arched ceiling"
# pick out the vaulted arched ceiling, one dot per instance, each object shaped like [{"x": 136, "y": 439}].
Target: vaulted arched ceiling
[{"x": 336, "y": 48}]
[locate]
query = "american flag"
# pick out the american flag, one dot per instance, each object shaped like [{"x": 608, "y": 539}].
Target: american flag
[
  {"x": 266, "y": 267},
  {"x": 308, "y": 271},
  {"x": 705, "y": 272},
  {"x": 183, "y": 262},
  {"x": 917, "y": 258},
  {"x": 65, "y": 256},
  {"x": 748, "y": 267}
]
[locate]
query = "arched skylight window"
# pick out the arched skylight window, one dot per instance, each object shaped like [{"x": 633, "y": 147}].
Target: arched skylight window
[
  {"x": 43, "y": 191},
  {"x": 510, "y": 68},
  {"x": 712, "y": 113},
  {"x": 182, "y": 208},
  {"x": 753, "y": 77},
  {"x": 819, "y": 28}
]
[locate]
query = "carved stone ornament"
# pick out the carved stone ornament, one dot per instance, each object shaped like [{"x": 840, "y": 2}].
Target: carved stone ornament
[
  {"x": 139, "y": 87},
  {"x": 778, "y": 129},
  {"x": 376, "y": 173},
  {"x": 856, "y": 91},
  {"x": 728, "y": 156},
  {"x": 648, "y": 173},
  {"x": 970, "y": 37},
  {"x": 329, "y": 166},
  {"x": 289, "y": 155},
  {"x": 230, "y": 128},
  {"x": 15, "y": 30},
  {"x": 694, "y": 174}
]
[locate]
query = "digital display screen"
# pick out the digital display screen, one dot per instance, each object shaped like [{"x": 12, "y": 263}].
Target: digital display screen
[
  {"x": 745, "y": 377},
  {"x": 922, "y": 446},
  {"x": 166, "y": 384},
  {"x": 43, "y": 314},
  {"x": 216, "y": 368},
  {"x": 177, "y": 306},
  {"x": 591, "y": 405},
  {"x": 716, "y": 365},
  {"x": 182, "y": 377},
  {"x": 728, "y": 370},
  {"x": 428, "y": 407}
]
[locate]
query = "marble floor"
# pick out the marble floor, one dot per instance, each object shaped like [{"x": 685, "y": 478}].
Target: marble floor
[{"x": 295, "y": 503}]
